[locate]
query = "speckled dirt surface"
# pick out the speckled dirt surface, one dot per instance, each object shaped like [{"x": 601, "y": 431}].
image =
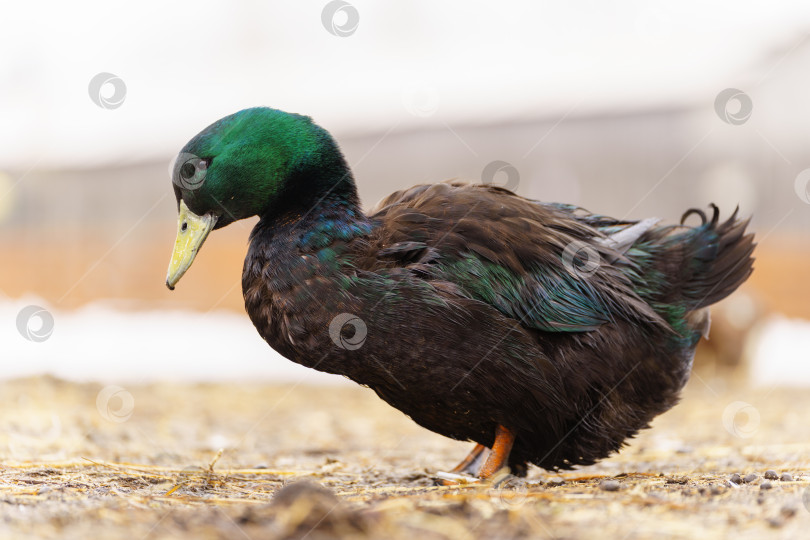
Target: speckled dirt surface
[{"x": 88, "y": 461}]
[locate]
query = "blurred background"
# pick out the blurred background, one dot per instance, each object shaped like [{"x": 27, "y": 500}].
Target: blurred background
[{"x": 629, "y": 108}]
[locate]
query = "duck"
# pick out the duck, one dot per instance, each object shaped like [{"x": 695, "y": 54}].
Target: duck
[{"x": 541, "y": 332}]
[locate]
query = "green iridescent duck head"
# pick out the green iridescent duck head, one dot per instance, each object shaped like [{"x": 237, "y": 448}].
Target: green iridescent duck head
[{"x": 257, "y": 161}]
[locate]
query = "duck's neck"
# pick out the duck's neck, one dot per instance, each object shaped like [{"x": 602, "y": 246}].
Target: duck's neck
[
  {"x": 297, "y": 259},
  {"x": 333, "y": 219},
  {"x": 312, "y": 233},
  {"x": 314, "y": 195}
]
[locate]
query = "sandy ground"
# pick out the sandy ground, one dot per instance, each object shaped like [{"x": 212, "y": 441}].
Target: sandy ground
[{"x": 88, "y": 461}]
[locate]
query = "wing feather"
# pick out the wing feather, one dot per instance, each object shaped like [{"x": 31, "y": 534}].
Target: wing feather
[{"x": 513, "y": 253}]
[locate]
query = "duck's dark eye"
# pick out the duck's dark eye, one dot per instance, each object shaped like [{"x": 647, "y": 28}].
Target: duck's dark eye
[
  {"x": 184, "y": 226},
  {"x": 187, "y": 171}
]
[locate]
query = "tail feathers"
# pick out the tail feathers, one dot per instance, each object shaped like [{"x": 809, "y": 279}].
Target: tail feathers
[{"x": 718, "y": 258}]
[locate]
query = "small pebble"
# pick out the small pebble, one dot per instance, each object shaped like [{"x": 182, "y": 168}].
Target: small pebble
[
  {"x": 556, "y": 482},
  {"x": 786, "y": 477},
  {"x": 788, "y": 511},
  {"x": 682, "y": 480},
  {"x": 776, "y": 522},
  {"x": 717, "y": 490},
  {"x": 766, "y": 485},
  {"x": 736, "y": 478},
  {"x": 750, "y": 478},
  {"x": 261, "y": 466},
  {"x": 610, "y": 485},
  {"x": 771, "y": 475}
]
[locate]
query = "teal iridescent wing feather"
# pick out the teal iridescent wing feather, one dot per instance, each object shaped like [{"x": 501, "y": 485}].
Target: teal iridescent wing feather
[{"x": 510, "y": 252}]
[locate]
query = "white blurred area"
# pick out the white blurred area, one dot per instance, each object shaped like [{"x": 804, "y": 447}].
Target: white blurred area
[
  {"x": 778, "y": 352},
  {"x": 188, "y": 63},
  {"x": 104, "y": 342}
]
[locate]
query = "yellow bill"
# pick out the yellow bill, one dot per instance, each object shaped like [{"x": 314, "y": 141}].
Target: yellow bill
[{"x": 192, "y": 230}]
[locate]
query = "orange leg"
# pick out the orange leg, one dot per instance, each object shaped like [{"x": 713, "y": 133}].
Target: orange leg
[
  {"x": 468, "y": 463},
  {"x": 499, "y": 456}
]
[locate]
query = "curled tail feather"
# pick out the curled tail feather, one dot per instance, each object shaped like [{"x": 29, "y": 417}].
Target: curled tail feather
[{"x": 719, "y": 258}]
